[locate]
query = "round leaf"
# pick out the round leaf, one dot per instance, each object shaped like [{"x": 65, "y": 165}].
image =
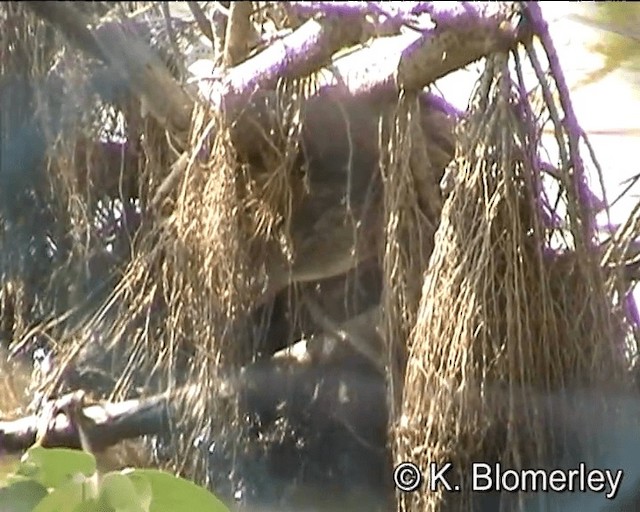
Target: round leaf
[
  {"x": 171, "y": 493},
  {"x": 119, "y": 493},
  {"x": 64, "y": 498},
  {"x": 53, "y": 466},
  {"x": 21, "y": 496}
]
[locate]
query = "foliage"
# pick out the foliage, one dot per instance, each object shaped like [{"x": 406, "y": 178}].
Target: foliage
[
  {"x": 63, "y": 480},
  {"x": 619, "y": 40}
]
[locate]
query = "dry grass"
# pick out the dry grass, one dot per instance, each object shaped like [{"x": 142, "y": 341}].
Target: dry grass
[
  {"x": 494, "y": 308},
  {"x": 190, "y": 275},
  {"x": 408, "y": 231},
  {"x": 188, "y": 289},
  {"x": 498, "y": 312}
]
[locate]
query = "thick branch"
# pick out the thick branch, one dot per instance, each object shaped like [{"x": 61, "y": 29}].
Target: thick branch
[
  {"x": 410, "y": 61},
  {"x": 129, "y": 56},
  {"x": 146, "y": 74},
  {"x": 463, "y": 39},
  {"x": 462, "y": 36},
  {"x": 108, "y": 423},
  {"x": 302, "y": 52},
  {"x": 201, "y": 20},
  {"x": 239, "y": 31}
]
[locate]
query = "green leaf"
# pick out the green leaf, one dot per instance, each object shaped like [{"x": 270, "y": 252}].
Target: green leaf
[
  {"x": 65, "y": 498},
  {"x": 171, "y": 493},
  {"x": 91, "y": 505},
  {"x": 17, "y": 478},
  {"x": 118, "y": 493},
  {"x": 53, "y": 466},
  {"x": 21, "y": 496},
  {"x": 618, "y": 39},
  {"x": 143, "y": 489}
]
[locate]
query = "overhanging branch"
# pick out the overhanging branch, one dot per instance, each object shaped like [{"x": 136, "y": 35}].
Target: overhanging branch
[
  {"x": 410, "y": 61},
  {"x": 107, "y": 424}
]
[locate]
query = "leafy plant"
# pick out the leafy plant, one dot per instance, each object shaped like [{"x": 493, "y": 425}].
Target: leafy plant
[
  {"x": 619, "y": 40},
  {"x": 63, "y": 480}
]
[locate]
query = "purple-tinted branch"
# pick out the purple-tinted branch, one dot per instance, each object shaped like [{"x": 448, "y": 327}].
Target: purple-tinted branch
[
  {"x": 381, "y": 15},
  {"x": 609, "y": 227},
  {"x": 305, "y": 50},
  {"x": 443, "y": 13},
  {"x": 342, "y": 9},
  {"x": 570, "y": 121},
  {"x": 477, "y": 33},
  {"x": 574, "y": 132},
  {"x": 414, "y": 61},
  {"x": 398, "y": 14},
  {"x": 632, "y": 309},
  {"x": 443, "y": 105}
]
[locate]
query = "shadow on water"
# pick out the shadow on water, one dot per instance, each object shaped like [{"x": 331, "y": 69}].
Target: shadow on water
[
  {"x": 317, "y": 442},
  {"x": 334, "y": 470}
]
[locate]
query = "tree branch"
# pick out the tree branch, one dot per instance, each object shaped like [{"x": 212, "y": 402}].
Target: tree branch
[
  {"x": 302, "y": 52},
  {"x": 462, "y": 35},
  {"x": 462, "y": 40},
  {"x": 72, "y": 23},
  {"x": 112, "y": 43},
  {"x": 201, "y": 20},
  {"x": 410, "y": 61},
  {"x": 107, "y": 424},
  {"x": 239, "y": 31}
]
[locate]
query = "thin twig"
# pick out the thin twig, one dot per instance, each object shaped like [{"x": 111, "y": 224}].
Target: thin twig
[
  {"x": 201, "y": 20},
  {"x": 164, "y": 6}
]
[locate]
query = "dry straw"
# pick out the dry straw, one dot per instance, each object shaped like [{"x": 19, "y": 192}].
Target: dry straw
[
  {"x": 495, "y": 311},
  {"x": 229, "y": 214},
  {"x": 500, "y": 318},
  {"x": 183, "y": 285},
  {"x": 410, "y": 220}
]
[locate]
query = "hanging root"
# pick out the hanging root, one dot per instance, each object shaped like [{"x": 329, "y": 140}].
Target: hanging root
[
  {"x": 502, "y": 315},
  {"x": 180, "y": 313},
  {"x": 412, "y": 207}
]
